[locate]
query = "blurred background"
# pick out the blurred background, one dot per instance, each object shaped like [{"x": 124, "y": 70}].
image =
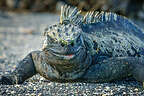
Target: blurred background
[{"x": 130, "y": 8}]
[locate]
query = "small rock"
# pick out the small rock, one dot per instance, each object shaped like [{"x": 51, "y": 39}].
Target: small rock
[
  {"x": 34, "y": 88},
  {"x": 107, "y": 88},
  {"x": 124, "y": 93},
  {"x": 17, "y": 85},
  {"x": 136, "y": 89},
  {"x": 32, "y": 94},
  {"x": 40, "y": 94},
  {"x": 12, "y": 92}
]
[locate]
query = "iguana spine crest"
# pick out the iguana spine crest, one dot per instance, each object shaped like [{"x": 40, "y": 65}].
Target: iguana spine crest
[{"x": 70, "y": 14}]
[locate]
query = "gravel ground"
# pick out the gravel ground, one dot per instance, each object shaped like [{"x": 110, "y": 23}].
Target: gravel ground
[{"x": 19, "y": 35}]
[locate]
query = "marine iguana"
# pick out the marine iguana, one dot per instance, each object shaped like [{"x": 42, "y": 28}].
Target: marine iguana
[{"x": 97, "y": 47}]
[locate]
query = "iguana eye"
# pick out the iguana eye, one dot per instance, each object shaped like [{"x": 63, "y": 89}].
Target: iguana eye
[
  {"x": 72, "y": 43},
  {"x": 62, "y": 44}
]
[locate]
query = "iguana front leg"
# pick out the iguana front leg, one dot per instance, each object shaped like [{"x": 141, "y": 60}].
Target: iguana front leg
[
  {"x": 23, "y": 71},
  {"x": 115, "y": 69}
]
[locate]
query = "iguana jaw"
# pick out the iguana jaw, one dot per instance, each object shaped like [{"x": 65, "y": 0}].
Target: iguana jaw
[{"x": 66, "y": 56}]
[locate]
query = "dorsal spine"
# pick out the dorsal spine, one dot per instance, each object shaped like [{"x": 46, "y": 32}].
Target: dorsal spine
[
  {"x": 70, "y": 14},
  {"x": 95, "y": 16}
]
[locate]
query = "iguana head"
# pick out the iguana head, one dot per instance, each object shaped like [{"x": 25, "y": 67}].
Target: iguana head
[{"x": 64, "y": 42}]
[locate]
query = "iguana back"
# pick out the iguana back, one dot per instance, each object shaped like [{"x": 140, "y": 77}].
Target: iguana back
[{"x": 114, "y": 35}]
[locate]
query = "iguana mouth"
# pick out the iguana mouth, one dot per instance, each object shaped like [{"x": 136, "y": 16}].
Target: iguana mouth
[
  {"x": 65, "y": 56},
  {"x": 70, "y": 56}
]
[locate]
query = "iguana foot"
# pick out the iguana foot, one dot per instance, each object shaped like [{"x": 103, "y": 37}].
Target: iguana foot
[{"x": 23, "y": 71}]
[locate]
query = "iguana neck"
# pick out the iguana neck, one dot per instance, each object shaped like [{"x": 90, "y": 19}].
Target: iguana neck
[{"x": 70, "y": 69}]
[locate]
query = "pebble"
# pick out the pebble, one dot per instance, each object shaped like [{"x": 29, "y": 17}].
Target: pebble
[
  {"x": 107, "y": 88},
  {"x": 124, "y": 93},
  {"x": 136, "y": 89},
  {"x": 40, "y": 94},
  {"x": 34, "y": 88},
  {"x": 12, "y": 92},
  {"x": 17, "y": 85}
]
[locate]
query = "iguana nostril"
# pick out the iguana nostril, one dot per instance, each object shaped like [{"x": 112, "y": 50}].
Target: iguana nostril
[
  {"x": 72, "y": 44},
  {"x": 62, "y": 44}
]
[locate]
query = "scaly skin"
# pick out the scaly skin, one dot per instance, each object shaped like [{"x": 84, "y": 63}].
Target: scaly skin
[{"x": 97, "y": 47}]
